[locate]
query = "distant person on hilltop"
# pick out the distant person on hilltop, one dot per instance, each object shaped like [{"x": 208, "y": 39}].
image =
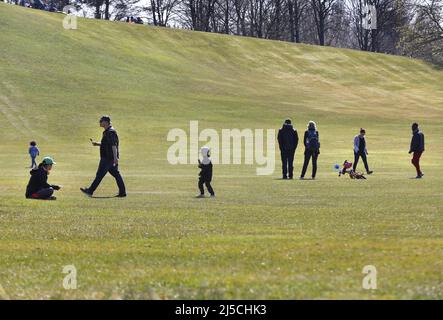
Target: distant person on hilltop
[
  {"x": 109, "y": 157},
  {"x": 311, "y": 141},
  {"x": 287, "y": 142},
  {"x": 34, "y": 152},
  {"x": 38, "y": 186},
  {"x": 360, "y": 150},
  {"x": 417, "y": 147}
]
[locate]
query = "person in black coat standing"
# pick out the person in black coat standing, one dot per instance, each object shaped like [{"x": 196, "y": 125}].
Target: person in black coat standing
[
  {"x": 417, "y": 147},
  {"x": 288, "y": 142},
  {"x": 311, "y": 141}
]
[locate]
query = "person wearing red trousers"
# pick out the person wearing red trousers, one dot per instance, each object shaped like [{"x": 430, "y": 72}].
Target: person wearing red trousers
[{"x": 417, "y": 148}]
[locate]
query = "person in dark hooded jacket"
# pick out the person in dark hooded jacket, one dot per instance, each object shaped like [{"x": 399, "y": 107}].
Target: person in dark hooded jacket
[
  {"x": 38, "y": 186},
  {"x": 417, "y": 148},
  {"x": 311, "y": 141},
  {"x": 288, "y": 142}
]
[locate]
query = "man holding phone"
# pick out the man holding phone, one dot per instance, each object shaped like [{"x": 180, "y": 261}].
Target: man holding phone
[{"x": 109, "y": 156}]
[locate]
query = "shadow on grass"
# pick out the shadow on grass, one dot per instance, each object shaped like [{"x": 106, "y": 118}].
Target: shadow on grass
[{"x": 104, "y": 197}]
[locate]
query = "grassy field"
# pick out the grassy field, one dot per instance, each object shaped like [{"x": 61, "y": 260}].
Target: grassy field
[{"x": 261, "y": 237}]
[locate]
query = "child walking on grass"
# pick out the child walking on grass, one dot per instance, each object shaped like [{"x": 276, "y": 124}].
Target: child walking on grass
[
  {"x": 33, "y": 152},
  {"x": 205, "y": 175}
]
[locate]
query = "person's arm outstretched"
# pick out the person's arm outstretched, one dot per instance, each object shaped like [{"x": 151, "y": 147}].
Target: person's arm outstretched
[{"x": 94, "y": 143}]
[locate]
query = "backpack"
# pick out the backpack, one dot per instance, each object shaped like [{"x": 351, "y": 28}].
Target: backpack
[{"x": 312, "y": 140}]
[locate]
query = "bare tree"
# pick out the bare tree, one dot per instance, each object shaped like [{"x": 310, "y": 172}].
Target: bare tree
[
  {"x": 322, "y": 10},
  {"x": 423, "y": 37},
  {"x": 296, "y": 9},
  {"x": 162, "y": 10},
  {"x": 197, "y": 14},
  {"x": 240, "y": 7}
]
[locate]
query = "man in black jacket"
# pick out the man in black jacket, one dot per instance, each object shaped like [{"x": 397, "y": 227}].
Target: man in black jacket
[
  {"x": 38, "y": 186},
  {"x": 109, "y": 156},
  {"x": 288, "y": 142},
  {"x": 417, "y": 147}
]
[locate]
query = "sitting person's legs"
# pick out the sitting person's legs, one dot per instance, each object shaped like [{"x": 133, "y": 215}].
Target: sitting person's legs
[{"x": 43, "y": 194}]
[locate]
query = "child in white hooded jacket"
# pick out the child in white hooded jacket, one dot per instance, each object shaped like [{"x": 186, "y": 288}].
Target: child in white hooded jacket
[{"x": 205, "y": 175}]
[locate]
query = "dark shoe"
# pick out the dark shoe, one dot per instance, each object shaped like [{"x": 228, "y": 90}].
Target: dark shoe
[
  {"x": 121, "y": 195},
  {"x": 86, "y": 191},
  {"x": 290, "y": 178},
  {"x": 284, "y": 178},
  {"x": 370, "y": 172},
  {"x": 52, "y": 198}
]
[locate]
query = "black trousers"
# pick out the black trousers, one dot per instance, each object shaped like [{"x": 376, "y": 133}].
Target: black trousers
[
  {"x": 43, "y": 194},
  {"x": 357, "y": 156},
  {"x": 203, "y": 181},
  {"x": 308, "y": 155},
  {"x": 287, "y": 161},
  {"x": 104, "y": 167}
]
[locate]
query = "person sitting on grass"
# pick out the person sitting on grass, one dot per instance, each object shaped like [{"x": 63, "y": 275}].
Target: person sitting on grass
[
  {"x": 33, "y": 152},
  {"x": 38, "y": 186},
  {"x": 360, "y": 150},
  {"x": 417, "y": 147},
  {"x": 205, "y": 175}
]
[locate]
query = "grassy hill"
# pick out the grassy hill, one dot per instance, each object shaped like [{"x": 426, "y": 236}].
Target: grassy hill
[{"x": 261, "y": 237}]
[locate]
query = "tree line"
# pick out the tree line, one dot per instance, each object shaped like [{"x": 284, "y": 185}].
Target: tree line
[{"x": 404, "y": 27}]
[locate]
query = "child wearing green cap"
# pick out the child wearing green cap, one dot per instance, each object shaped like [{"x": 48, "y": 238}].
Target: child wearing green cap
[{"x": 38, "y": 186}]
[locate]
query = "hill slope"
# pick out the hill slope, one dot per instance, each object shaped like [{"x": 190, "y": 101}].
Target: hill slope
[
  {"x": 261, "y": 237},
  {"x": 108, "y": 66}
]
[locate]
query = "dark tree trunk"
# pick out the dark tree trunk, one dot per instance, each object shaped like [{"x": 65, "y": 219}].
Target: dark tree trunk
[
  {"x": 154, "y": 10},
  {"x": 227, "y": 17},
  {"x": 107, "y": 9},
  {"x": 291, "y": 20},
  {"x": 97, "y": 14}
]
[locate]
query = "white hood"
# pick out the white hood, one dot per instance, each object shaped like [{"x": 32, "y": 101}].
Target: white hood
[{"x": 205, "y": 155}]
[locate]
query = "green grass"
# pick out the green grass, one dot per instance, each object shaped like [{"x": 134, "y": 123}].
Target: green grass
[{"x": 261, "y": 237}]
